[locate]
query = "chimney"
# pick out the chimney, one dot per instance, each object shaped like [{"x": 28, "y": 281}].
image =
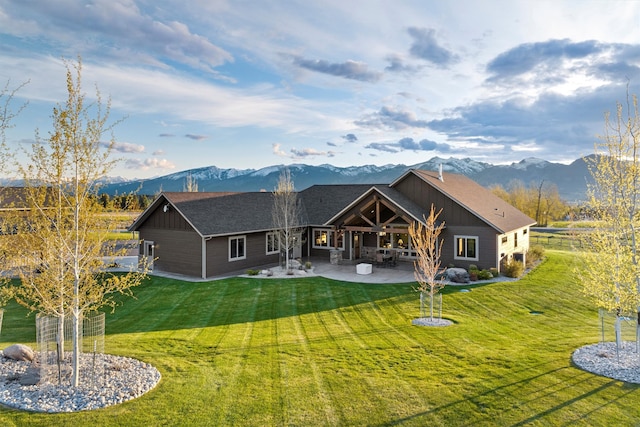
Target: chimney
[{"x": 440, "y": 173}]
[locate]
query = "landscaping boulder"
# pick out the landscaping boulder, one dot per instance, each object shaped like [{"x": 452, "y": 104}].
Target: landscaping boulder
[
  {"x": 457, "y": 275},
  {"x": 19, "y": 352}
]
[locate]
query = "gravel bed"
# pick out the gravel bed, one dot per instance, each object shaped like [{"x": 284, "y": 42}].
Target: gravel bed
[
  {"x": 427, "y": 321},
  {"x": 124, "y": 379},
  {"x": 602, "y": 359}
]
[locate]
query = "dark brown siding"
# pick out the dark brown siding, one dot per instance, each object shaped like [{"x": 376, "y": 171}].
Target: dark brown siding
[
  {"x": 175, "y": 251},
  {"x": 218, "y": 255},
  {"x": 177, "y": 245},
  {"x": 486, "y": 250},
  {"x": 458, "y": 221}
]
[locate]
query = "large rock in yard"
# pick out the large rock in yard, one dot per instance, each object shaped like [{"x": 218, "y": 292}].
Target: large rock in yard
[
  {"x": 19, "y": 352},
  {"x": 457, "y": 275}
]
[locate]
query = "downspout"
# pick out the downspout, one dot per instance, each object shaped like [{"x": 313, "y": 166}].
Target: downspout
[
  {"x": 203, "y": 262},
  {"x": 498, "y": 244}
]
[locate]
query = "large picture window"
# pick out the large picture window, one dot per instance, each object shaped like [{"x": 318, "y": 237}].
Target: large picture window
[
  {"x": 321, "y": 238},
  {"x": 237, "y": 248},
  {"x": 272, "y": 243},
  {"x": 324, "y": 239},
  {"x": 466, "y": 248}
]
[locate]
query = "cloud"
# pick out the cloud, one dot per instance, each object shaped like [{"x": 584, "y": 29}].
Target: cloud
[
  {"x": 196, "y": 137},
  {"x": 390, "y": 118},
  {"x": 310, "y": 152},
  {"x": 277, "y": 150},
  {"x": 397, "y": 64},
  {"x": 564, "y": 65},
  {"x": 426, "y": 47},
  {"x": 350, "y": 69},
  {"x": 409, "y": 144},
  {"x": 555, "y": 123},
  {"x": 529, "y": 56},
  {"x": 331, "y": 144},
  {"x": 147, "y": 164},
  {"x": 297, "y": 154},
  {"x": 124, "y": 147},
  {"x": 350, "y": 137},
  {"x": 158, "y": 153},
  {"x": 382, "y": 146},
  {"x": 166, "y": 135},
  {"x": 101, "y": 26}
]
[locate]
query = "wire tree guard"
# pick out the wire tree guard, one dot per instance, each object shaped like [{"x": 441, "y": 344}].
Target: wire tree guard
[{"x": 55, "y": 360}]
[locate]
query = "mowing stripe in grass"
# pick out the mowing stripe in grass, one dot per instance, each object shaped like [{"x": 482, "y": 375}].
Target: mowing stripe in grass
[
  {"x": 322, "y": 395},
  {"x": 235, "y": 352}
]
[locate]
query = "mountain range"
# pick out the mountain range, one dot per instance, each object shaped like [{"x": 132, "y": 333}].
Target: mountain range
[{"x": 570, "y": 179}]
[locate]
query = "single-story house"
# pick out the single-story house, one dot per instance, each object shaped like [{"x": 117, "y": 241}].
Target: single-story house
[{"x": 212, "y": 234}]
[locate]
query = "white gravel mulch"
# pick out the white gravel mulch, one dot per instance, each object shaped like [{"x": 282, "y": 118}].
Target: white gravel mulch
[
  {"x": 124, "y": 379},
  {"x": 603, "y": 359},
  {"x": 427, "y": 321}
]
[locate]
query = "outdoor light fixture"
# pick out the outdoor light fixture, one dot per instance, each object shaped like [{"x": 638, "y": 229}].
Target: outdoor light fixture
[{"x": 165, "y": 208}]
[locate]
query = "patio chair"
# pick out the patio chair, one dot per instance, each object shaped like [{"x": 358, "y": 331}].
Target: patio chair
[
  {"x": 380, "y": 261},
  {"x": 395, "y": 255}
]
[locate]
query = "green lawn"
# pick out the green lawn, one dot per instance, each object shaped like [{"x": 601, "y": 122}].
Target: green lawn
[{"x": 313, "y": 351}]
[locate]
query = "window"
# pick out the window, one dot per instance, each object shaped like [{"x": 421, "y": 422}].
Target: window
[
  {"x": 466, "y": 248},
  {"x": 504, "y": 239},
  {"x": 325, "y": 238},
  {"x": 321, "y": 238},
  {"x": 515, "y": 239},
  {"x": 237, "y": 245},
  {"x": 272, "y": 243}
]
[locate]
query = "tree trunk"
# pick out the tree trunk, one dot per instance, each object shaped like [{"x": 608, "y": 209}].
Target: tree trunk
[
  {"x": 60, "y": 338},
  {"x": 618, "y": 329},
  {"x": 75, "y": 378},
  {"x": 431, "y": 305}
]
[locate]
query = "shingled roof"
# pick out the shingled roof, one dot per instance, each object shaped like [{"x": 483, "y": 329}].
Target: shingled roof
[
  {"x": 223, "y": 213},
  {"x": 231, "y": 213},
  {"x": 323, "y": 202},
  {"x": 481, "y": 202}
]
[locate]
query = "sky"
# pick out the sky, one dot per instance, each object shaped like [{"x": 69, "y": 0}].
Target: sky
[{"x": 249, "y": 84}]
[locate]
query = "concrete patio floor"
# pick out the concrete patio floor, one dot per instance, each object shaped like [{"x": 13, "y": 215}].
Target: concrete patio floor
[
  {"x": 345, "y": 271},
  {"x": 402, "y": 273}
]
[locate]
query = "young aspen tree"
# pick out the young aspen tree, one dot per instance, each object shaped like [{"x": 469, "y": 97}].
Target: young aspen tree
[
  {"x": 425, "y": 241},
  {"x": 63, "y": 238},
  {"x": 611, "y": 266},
  {"x": 286, "y": 216}
]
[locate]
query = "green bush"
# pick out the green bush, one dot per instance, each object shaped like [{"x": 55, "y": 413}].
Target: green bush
[
  {"x": 494, "y": 272},
  {"x": 513, "y": 268},
  {"x": 485, "y": 275},
  {"x": 253, "y": 272},
  {"x": 307, "y": 265},
  {"x": 473, "y": 267},
  {"x": 534, "y": 254}
]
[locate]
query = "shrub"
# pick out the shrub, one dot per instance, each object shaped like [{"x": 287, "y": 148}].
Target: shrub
[
  {"x": 307, "y": 265},
  {"x": 534, "y": 254},
  {"x": 485, "y": 275},
  {"x": 253, "y": 272},
  {"x": 513, "y": 268},
  {"x": 473, "y": 267},
  {"x": 494, "y": 272}
]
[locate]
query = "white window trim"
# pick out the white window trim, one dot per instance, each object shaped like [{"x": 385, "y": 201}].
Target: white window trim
[
  {"x": 276, "y": 236},
  {"x": 244, "y": 255},
  {"x": 455, "y": 247},
  {"x": 329, "y": 238}
]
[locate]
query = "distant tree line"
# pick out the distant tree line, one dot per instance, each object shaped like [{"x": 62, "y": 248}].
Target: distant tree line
[
  {"x": 540, "y": 201},
  {"x": 125, "y": 202}
]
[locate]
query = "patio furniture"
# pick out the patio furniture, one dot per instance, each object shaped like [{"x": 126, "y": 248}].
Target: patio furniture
[{"x": 364, "y": 268}]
